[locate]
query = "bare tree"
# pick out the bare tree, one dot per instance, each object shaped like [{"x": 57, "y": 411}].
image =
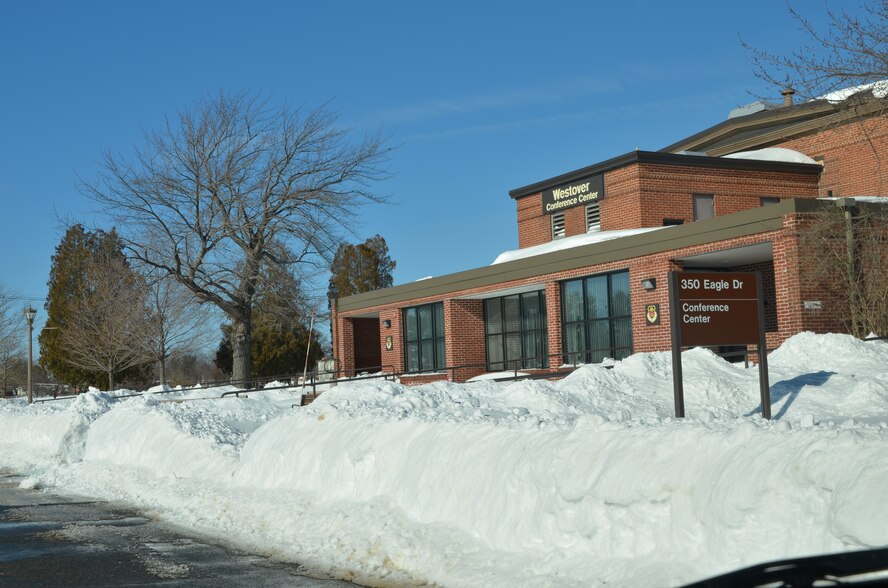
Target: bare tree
[
  {"x": 177, "y": 322},
  {"x": 851, "y": 52},
  {"x": 106, "y": 328},
  {"x": 232, "y": 188},
  {"x": 12, "y": 329},
  {"x": 849, "y": 260}
]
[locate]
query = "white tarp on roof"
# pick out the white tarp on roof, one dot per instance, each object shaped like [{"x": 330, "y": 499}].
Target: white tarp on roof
[
  {"x": 772, "y": 154},
  {"x": 568, "y": 243}
]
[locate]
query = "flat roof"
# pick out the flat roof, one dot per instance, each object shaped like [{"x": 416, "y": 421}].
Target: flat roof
[
  {"x": 720, "y": 228},
  {"x": 661, "y": 158}
]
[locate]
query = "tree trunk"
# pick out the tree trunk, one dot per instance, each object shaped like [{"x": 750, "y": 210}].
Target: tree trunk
[
  {"x": 163, "y": 370},
  {"x": 240, "y": 346},
  {"x": 110, "y": 379}
]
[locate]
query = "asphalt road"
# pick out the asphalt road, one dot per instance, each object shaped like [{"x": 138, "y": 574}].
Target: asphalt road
[{"x": 50, "y": 540}]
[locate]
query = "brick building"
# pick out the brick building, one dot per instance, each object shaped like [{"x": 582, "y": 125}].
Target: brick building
[{"x": 596, "y": 245}]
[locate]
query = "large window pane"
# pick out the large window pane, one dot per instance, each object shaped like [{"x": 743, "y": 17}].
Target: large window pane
[
  {"x": 622, "y": 336},
  {"x": 511, "y": 314},
  {"x": 513, "y": 349},
  {"x": 597, "y": 317},
  {"x": 530, "y": 311},
  {"x": 427, "y": 354},
  {"x": 493, "y": 315},
  {"x": 533, "y": 348},
  {"x": 425, "y": 322},
  {"x": 620, "y": 294},
  {"x": 410, "y": 324},
  {"x": 412, "y": 359},
  {"x": 600, "y": 336},
  {"x": 573, "y": 301},
  {"x": 439, "y": 319},
  {"x": 575, "y": 340},
  {"x": 440, "y": 356},
  {"x": 596, "y": 298},
  {"x": 495, "y": 352}
]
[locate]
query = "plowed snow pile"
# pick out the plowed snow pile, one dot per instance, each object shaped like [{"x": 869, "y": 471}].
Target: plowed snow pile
[{"x": 585, "y": 481}]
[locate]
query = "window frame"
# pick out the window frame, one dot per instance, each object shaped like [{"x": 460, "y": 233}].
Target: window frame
[
  {"x": 436, "y": 340},
  {"x": 540, "y": 333},
  {"x": 596, "y": 355}
]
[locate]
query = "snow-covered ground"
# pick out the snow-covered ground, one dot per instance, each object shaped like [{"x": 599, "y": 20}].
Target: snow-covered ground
[{"x": 581, "y": 482}]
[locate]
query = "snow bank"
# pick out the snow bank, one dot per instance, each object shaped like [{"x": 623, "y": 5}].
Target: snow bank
[{"x": 584, "y": 481}]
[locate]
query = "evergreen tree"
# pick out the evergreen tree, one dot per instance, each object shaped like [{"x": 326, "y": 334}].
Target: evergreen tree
[
  {"x": 275, "y": 349},
  {"x": 94, "y": 309},
  {"x": 361, "y": 268},
  {"x": 280, "y": 330}
]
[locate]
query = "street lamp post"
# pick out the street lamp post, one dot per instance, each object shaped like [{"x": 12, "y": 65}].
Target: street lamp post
[{"x": 30, "y": 313}]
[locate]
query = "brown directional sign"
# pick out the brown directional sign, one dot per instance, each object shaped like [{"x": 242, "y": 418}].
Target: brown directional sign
[{"x": 718, "y": 308}]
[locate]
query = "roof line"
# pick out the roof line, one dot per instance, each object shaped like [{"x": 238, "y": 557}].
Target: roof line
[
  {"x": 748, "y": 222},
  {"x": 661, "y": 158}
]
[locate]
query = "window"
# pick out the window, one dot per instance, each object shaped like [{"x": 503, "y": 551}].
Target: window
[
  {"x": 424, "y": 338},
  {"x": 515, "y": 331},
  {"x": 672, "y": 222},
  {"x": 704, "y": 206},
  {"x": 596, "y": 318},
  {"x": 593, "y": 217},
  {"x": 766, "y": 200},
  {"x": 558, "y": 230}
]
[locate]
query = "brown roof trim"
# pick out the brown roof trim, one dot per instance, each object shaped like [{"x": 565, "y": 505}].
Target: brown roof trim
[
  {"x": 749, "y": 222},
  {"x": 661, "y": 158},
  {"x": 810, "y": 116}
]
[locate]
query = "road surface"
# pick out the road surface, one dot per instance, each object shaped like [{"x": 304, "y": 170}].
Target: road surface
[{"x": 51, "y": 540}]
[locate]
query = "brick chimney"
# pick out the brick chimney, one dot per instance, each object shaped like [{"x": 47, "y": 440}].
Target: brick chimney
[{"x": 787, "y": 94}]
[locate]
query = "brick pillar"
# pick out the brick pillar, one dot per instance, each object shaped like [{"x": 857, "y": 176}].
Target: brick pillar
[
  {"x": 464, "y": 337},
  {"x": 345, "y": 346},
  {"x": 392, "y": 359},
  {"x": 787, "y": 281},
  {"x": 553, "y": 323}
]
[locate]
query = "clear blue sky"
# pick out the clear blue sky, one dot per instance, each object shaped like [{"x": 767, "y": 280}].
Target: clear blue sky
[{"x": 480, "y": 98}]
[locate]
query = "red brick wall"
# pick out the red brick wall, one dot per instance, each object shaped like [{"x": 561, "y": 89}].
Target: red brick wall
[
  {"x": 852, "y": 165},
  {"x": 392, "y": 360},
  {"x": 666, "y": 191},
  {"x": 464, "y": 336},
  {"x": 642, "y": 195}
]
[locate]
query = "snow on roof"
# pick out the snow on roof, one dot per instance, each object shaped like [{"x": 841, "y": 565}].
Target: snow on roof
[
  {"x": 879, "y": 89},
  {"x": 569, "y": 242},
  {"x": 772, "y": 154}
]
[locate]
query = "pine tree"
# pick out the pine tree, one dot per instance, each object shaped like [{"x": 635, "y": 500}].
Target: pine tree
[
  {"x": 94, "y": 308},
  {"x": 275, "y": 349},
  {"x": 361, "y": 268},
  {"x": 280, "y": 329}
]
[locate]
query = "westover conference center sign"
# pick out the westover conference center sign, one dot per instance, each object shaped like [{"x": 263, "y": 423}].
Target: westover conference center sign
[{"x": 585, "y": 191}]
